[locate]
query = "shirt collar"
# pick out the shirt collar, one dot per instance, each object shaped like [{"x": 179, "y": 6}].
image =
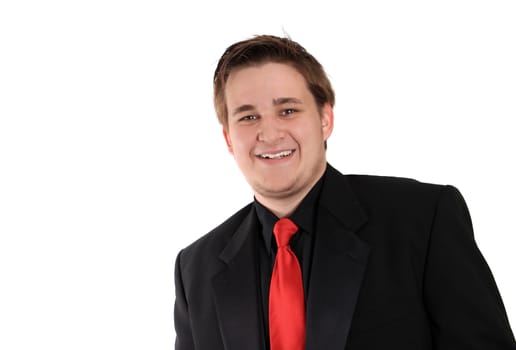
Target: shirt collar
[{"x": 303, "y": 216}]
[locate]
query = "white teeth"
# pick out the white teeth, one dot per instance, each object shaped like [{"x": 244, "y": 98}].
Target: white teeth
[{"x": 276, "y": 155}]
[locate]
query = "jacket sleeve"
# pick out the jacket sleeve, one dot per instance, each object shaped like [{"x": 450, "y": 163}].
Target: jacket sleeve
[
  {"x": 460, "y": 293},
  {"x": 184, "y": 339}
]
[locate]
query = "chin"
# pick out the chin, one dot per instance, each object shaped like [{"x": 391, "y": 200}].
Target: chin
[{"x": 277, "y": 190}]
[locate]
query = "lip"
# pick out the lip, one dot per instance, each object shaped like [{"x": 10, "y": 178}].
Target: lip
[{"x": 276, "y": 155}]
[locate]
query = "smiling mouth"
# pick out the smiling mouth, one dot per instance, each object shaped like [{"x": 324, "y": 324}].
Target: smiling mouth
[{"x": 278, "y": 155}]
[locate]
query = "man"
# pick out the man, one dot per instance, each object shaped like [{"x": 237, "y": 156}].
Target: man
[{"x": 322, "y": 260}]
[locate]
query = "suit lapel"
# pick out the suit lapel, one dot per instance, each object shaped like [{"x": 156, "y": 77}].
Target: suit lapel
[
  {"x": 236, "y": 292},
  {"x": 338, "y": 265}
]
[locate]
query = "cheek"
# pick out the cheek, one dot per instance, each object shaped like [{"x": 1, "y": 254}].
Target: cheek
[
  {"x": 306, "y": 133},
  {"x": 242, "y": 140}
]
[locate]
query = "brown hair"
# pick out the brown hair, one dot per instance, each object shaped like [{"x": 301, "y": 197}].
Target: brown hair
[{"x": 267, "y": 48}]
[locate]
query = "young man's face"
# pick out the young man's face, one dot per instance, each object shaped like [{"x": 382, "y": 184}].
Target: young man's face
[{"x": 275, "y": 130}]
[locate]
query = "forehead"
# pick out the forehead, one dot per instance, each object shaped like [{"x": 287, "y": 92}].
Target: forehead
[{"x": 266, "y": 80}]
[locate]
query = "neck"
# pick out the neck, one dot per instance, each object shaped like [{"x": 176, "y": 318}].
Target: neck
[{"x": 283, "y": 205}]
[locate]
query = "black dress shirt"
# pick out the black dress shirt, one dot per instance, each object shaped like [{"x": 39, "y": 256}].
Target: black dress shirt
[{"x": 301, "y": 244}]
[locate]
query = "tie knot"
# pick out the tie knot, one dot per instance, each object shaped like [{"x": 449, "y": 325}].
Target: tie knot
[{"x": 284, "y": 229}]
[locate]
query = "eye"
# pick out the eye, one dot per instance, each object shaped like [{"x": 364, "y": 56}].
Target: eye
[
  {"x": 288, "y": 111},
  {"x": 248, "y": 118}
]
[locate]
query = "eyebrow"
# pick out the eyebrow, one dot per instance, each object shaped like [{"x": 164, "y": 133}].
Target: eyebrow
[
  {"x": 285, "y": 100},
  {"x": 276, "y": 102},
  {"x": 242, "y": 108}
]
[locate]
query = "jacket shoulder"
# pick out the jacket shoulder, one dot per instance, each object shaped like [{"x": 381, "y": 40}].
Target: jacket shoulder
[
  {"x": 390, "y": 185},
  {"x": 212, "y": 243},
  {"x": 391, "y": 195}
]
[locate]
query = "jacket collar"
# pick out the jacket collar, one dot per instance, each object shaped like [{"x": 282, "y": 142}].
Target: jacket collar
[
  {"x": 236, "y": 292},
  {"x": 338, "y": 265}
]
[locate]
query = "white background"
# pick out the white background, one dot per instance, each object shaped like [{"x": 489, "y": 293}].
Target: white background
[{"x": 111, "y": 158}]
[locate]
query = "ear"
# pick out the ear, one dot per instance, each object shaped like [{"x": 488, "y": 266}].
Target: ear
[
  {"x": 228, "y": 140},
  {"x": 327, "y": 120}
]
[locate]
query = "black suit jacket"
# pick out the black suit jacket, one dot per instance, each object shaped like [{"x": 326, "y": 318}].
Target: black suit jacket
[{"x": 395, "y": 266}]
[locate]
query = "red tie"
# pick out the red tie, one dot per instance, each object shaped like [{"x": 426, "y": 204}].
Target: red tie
[{"x": 286, "y": 298}]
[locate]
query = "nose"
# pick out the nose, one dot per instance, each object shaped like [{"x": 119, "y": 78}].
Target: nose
[{"x": 270, "y": 131}]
